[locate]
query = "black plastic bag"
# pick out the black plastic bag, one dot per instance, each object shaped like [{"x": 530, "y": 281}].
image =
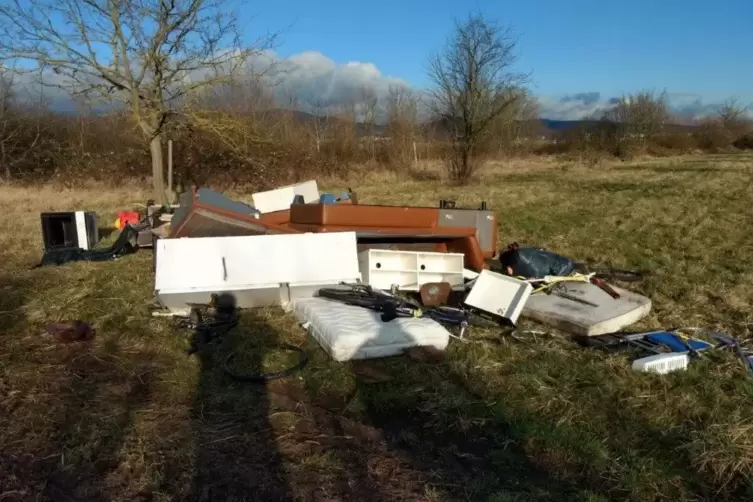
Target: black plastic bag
[
  {"x": 125, "y": 244},
  {"x": 533, "y": 262}
]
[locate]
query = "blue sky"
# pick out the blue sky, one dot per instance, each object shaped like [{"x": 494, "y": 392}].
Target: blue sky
[{"x": 701, "y": 51}]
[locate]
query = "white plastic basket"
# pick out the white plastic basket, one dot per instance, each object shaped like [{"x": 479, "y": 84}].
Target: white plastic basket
[{"x": 662, "y": 363}]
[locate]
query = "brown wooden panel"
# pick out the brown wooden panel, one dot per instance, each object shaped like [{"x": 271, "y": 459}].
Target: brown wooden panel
[{"x": 360, "y": 215}]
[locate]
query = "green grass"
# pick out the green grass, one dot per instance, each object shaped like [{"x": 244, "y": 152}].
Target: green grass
[{"x": 131, "y": 416}]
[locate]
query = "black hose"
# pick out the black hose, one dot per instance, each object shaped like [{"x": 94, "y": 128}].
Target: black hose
[
  {"x": 617, "y": 274},
  {"x": 211, "y": 328},
  {"x": 391, "y": 307},
  {"x": 303, "y": 360}
]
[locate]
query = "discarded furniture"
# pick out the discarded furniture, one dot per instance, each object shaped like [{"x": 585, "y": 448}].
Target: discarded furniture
[
  {"x": 205, "y": 213},
  {"x": 349, "y": 332},
  {"x": 499, "y": 295},
  {"x": 74, "y": 229},
  {"x": 123, "y": 245},
  {"x": 258, "y": 271},
  {"x": 409, "y": 270},
  {"x": 282, "y": 217},
  {"x": 610, "y": 315},
  {"x": 444, "y": 240},
  {"x": 281, "y": 198},
  {"x": 356, "y": 216}
]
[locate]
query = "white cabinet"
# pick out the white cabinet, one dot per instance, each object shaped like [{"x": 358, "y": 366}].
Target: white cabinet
[
  {"x": 409, "y": 270},
  {"x": 259, "y": 270}
]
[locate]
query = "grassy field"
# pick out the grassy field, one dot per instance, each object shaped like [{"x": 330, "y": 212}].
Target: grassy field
[{"x": 130, "y": 416}]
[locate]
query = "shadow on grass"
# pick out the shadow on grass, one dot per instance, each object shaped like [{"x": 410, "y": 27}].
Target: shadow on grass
[
  {"x": 451, "y": 436},
  {"x": 70, "y": 405},
  {"x": 421, "y": 435},
  {"x": 236, "y": 446},
  {"x": 107, "y": 388},
  {"x": 13, "y": 296}
]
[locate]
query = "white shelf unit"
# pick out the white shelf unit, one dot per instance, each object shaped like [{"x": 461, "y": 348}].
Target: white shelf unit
[
  {"x": 258, "y": 270},
  {"x": 409, "y": 270}
]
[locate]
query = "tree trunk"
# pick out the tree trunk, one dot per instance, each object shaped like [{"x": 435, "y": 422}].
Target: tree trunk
[{"x": 158, "y": 177}]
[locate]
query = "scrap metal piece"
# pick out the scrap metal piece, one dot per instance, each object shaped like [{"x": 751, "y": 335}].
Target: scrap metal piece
[{"x": 574, "y": 298}]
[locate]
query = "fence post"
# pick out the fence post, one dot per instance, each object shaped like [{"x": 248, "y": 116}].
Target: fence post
[{"x": 170, "y": 165}]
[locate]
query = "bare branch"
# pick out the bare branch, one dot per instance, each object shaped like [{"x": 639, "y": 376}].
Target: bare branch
[
  {"x": 149, "y": 54},
  {"x": 474, "y": 84}
]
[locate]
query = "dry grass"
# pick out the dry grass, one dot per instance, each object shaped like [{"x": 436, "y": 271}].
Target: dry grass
[{"x": 130, "y": 416}]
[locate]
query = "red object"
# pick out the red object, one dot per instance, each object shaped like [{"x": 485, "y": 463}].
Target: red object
[
  {"x": 128, "y": 217},
  {"x": 605, "y": 287}
]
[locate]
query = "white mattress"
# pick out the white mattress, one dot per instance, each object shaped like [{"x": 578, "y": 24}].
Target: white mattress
[{"x": 348, "y": 332}]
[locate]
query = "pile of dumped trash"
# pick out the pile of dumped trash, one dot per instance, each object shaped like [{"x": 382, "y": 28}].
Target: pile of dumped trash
[{"x": 370, "y": 281}]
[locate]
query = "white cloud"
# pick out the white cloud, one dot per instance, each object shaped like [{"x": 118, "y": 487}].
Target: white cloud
[
  {"x": 573, "y": 107},
  {"x": 313, "y": 79}
]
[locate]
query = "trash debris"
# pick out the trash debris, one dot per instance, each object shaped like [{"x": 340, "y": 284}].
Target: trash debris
[
  {"x": 123, "y": 245},
  {"x": 261, "y": 270},
  {"x": 586, "y": 320},
  {"x": 651, "y": 342},
  {"x": 126, "y": 218},
  {"x": 392, "y": 306},
  {"x": 348, "y": 332},
  {"x": 405, "y": 221},
  {"x": 558, "y": 290},
  {"x": 662, "y": 363},
  {"x": 212, "y": 322},
  {"x": 726, "y": 341},
  {"x": 71, "y": 230},
  {"x": 281, "y": 198},
  {"x": 499, "y": 295},
  {"x": 206, "y": 213},
  {"x": 409, "y": 270},
  {"x": 434, "y": 294},
  {"x": 76, "y": 331},
  {"x": 534, "y": 262}
]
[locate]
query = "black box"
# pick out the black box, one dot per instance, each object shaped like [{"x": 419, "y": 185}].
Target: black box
[{"x": 76, "y": 229}]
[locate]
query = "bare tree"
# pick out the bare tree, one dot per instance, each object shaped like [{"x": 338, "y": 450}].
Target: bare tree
[
  {"x": 732, "y": 116},
  {"x": 369, "y": 108},
  {"x": 320, "y": 122},
  {"x": 637, "y": 120},
  {"x": 517, "y": 124},
  {"x": 474, "y": 84},
  {"x": 148, "y": 54},
  {"x": 402, "y": 119}
]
